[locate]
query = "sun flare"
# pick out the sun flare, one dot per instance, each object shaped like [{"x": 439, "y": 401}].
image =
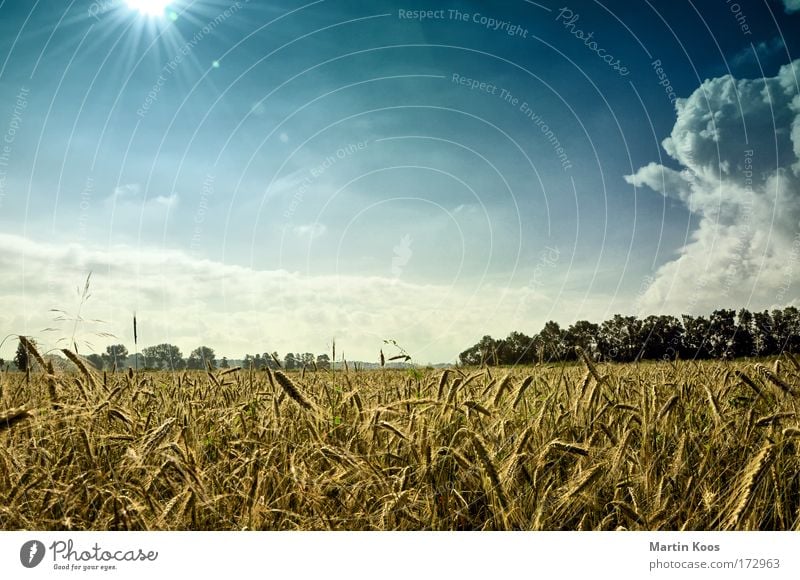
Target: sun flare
[{"x": 150, "y": 7}]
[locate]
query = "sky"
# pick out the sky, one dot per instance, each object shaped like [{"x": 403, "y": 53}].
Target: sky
[{"x": 270, "y": 176}]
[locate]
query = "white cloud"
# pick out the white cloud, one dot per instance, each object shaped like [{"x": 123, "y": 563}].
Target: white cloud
[
  {"x": 746, "y": 194},
  {"x": 238, "y": 310},
  {"x": 310, "y": 231},
  {"x": 791, "y": 5},
  {"x": 130, "y": 196},
  {"x": 758, "y": 52}
]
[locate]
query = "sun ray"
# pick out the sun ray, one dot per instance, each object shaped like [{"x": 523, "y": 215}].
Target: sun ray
[{"x": 150, "y": 7}]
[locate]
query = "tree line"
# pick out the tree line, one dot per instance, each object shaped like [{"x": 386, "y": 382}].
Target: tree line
[
  {"x": 725, "y": 334},
  {"x": 169, "y": 357},
  {"x": 292, "y": 360}
]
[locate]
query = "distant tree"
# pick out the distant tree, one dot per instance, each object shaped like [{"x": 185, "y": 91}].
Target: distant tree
[
  {"x": 551, "y": 342},
  {"x": 116, "y": 356},
  {"x": 164, "y": 356},
  {"x": 488, "y": 351},
  {"x": 791, "y": 319},
  {"x": 696, "y": 334},
  {"x": 137, "y": 361},
  {"x": 764, "y": 342},
  {"x": 22, "y": 358},
  {"x": 271, "y": 360},
  {"x": 307, "y": 359},
  {"x": 660, "y": 337},
  {"x": 785, "y": 329},
  {"x": 621, "y": 338},
  {"x": 323, "y": 362},
  {"x": 724, "y": 334},
  {"x": 96, "y": 360},
  {"x": 471, "y": 356},
  {"x": 201, "y": 358},
  {"x": 258, "y": 362},
  {"x": 742, "y": 343},
  {"x": 224, "y": 364},
  {"x": 583, "y": 334},
  {"x": 721, "y": 332},
  {"x": 289, "y": 361},
  {"x": 517, "y": 348}
]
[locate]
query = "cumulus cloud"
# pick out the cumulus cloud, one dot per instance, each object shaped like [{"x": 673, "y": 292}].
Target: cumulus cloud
[{"x": 737, "y": 142}]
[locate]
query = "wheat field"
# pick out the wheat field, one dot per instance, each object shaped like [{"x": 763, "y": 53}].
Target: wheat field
[{"x": 652, "y": 446}]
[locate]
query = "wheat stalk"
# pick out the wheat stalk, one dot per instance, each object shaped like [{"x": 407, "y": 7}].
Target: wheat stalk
[{"x": 292, "y": 390}]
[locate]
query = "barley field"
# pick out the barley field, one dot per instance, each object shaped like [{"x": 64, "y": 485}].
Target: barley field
[{"x": 652, "y": 446}]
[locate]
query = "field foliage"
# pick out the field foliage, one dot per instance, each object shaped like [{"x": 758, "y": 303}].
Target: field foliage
[{"x": 672, "y": 446}]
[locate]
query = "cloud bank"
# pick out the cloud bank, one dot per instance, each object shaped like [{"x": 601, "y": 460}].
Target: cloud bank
[
  {"x": 189, "y": 301},
  {"x": 737, "y": 142}
]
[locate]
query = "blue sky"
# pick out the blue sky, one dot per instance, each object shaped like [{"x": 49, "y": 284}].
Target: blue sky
[{"x": 269, "y": 175}]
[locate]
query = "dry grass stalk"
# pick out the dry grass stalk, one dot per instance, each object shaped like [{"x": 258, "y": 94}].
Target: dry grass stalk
[
  {"x": 712, "y": 401},
  {"x": 501, "y": 389},
  {"x": 31, "y": 348},
  {"x": 774, "y": 379},
  {"x": 589, "y": 364},
  {"x": 740, "y": 502},
  {"x": 569, "y": 447},
  {"x": 11, "y": 417},
  {"x": 521, "y": 391},
  {"x": 78, "y": 362},
  {"x": 476, "y": 406},
  {"x": 292, "y": 390},
  {"x": 748, "y": 381},
  {"x": 442, "y": 384},
  {"x": 668, "y": 406},
  {"x": 389, "y": 427},
  {"x": 773, "y": 419},
  {"x": 489, "y": 468}
]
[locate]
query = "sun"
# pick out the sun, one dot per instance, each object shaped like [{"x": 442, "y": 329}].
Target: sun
[{"x": 150, "y": 7}]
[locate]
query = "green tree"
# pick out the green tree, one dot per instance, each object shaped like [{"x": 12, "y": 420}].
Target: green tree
[
  {"x": 201, "y": 358},
  {"x": 488, "y": 351},
  {"x": 742, "y": 343},
  {"x": 289, "y": 361},
  {"x": 518, "y": 349},
  {"x": 96, "y": 361},
  {"x": 721, "y": 332},
  {"x": 116, "y": 356},
  {"x": 258, "y": 362},
  {"x": 582, "y": 334},
  {"x": 551, "y": 342},
  {"x": 323, "y": 362},
  {"x": 224, "y": 364},
  {"x": 164, "y": 356},
  {"x": 791, "y": 318},
  {"x": 764, "y": 343}
]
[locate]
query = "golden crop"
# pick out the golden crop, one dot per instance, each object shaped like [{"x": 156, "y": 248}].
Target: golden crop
[{"x": 653, "y": 446}]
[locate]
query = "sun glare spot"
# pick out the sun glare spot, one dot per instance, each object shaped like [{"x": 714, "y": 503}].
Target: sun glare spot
[{"x": 150, "y": 7}]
